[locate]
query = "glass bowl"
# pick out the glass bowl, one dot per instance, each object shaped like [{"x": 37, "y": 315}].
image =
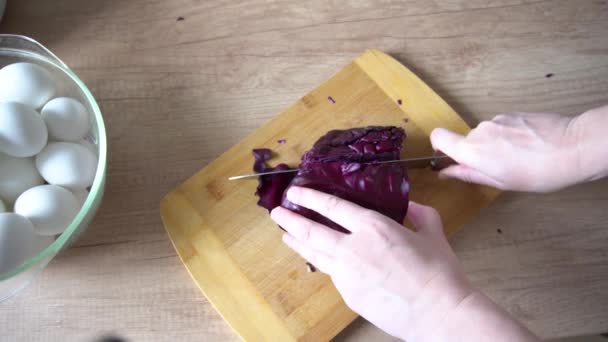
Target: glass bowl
[{"x": 14, "y": 48}]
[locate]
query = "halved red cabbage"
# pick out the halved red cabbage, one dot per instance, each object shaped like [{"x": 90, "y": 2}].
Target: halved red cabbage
[{"x": 343, "y": 163}]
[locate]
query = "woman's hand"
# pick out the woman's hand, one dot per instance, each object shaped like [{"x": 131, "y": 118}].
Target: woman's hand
[
  {"x": 403, "y": 281},
  {"x": 408, "y": 283},
  {"x": 534, "y": 152}
]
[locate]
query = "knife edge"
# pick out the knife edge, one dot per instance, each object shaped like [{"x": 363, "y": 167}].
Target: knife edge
[{"x": 422, "y": 161}]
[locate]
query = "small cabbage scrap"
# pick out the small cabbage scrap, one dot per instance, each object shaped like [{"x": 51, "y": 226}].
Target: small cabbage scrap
[
  {"x": 271, "y": 187},
  {"x": 344, "y": 163}
]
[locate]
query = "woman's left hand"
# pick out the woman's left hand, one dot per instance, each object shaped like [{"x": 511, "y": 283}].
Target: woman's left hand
[{"x": 401, "y": 280}]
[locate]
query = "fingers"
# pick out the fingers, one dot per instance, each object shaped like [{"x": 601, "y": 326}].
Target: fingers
[
  {"x": 344, "y": 213},
  {"x": 310, "y": 233},
  {"x": 470, "y": 175},
  {"x": 320, "y": 260},
  {"x": 455, "y": 146},
  {"x": 425, "y": 219}
]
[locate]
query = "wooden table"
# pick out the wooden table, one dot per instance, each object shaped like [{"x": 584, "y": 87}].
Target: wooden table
[{"x": 181, "y": 81}]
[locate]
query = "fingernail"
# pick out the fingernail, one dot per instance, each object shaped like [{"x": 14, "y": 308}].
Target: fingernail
[
  {"x": 293, "y": 194},
  {"x": 274, "y": 213},
  {"x": 437, "y": 132},
  {"x": 287, "y": 239},
  {"x": 278, "y": 215}
]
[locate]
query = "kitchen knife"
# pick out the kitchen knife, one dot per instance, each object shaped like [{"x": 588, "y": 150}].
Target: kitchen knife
[{"x": 420, "y": 162}]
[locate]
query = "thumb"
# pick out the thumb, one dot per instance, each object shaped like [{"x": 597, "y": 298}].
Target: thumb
[
  {"x": 454, "y": 145},
  {"x": 470, "y": 175},
  {"x": 425, "y": 219}
]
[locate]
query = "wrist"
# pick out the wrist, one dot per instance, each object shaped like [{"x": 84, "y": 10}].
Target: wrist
[
  {"x": 433, "y": 305},
  {"x": 450, "y": 309},
  {"x": 478, "y": 318}
]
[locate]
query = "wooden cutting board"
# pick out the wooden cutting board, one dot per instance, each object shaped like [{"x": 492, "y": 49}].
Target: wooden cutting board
[{"x": 234, "y": 251}]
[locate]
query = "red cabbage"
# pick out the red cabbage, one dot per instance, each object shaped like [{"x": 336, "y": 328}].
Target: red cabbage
[
  {"x": 271, "y": 187},
  {"x": 344, "y": 163}
]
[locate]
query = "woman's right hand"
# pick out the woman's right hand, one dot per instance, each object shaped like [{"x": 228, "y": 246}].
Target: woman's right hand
[{"x": 534, "y": 152}]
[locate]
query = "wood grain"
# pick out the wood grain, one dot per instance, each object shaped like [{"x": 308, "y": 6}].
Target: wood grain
[
  {"x": 234, "y": 251},
  {"x": 176, "y": 94}
]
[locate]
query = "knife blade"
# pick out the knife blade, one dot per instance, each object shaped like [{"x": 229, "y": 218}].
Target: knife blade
[{"x": 421, "y": 162}]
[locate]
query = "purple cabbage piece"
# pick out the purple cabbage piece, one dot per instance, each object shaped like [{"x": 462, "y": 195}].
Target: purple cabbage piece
[
  {"x": 270, "y": 188},
  {"x": 344, "y": 163}
]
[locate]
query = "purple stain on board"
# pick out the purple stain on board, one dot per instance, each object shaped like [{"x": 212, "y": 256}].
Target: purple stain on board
[
  {"x": 406, "y": 120},
  {"x": 399, "y": 102},
  {"x": 331, "y": 99},
  {"x": 281, "y": 141}
]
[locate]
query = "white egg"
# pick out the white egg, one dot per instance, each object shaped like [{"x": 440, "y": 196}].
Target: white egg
[
  {"x": 67, "y": 164},
  {"x": 66, "y": 119},
  {"x": 16, "y": 240},
  {"x": 26, "y": 83},
  {"x": 88, "y": 145},
  {"x": 2, "y": 206},
  {"x": 16, "y": 176},
  {"x": 22, "y": 130},
  {"x": 81, "y": 195},
  {"x": 51, "y": 208}
]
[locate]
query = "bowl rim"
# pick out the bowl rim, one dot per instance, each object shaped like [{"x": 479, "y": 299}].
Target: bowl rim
[{"x": 98, "y": 185}]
